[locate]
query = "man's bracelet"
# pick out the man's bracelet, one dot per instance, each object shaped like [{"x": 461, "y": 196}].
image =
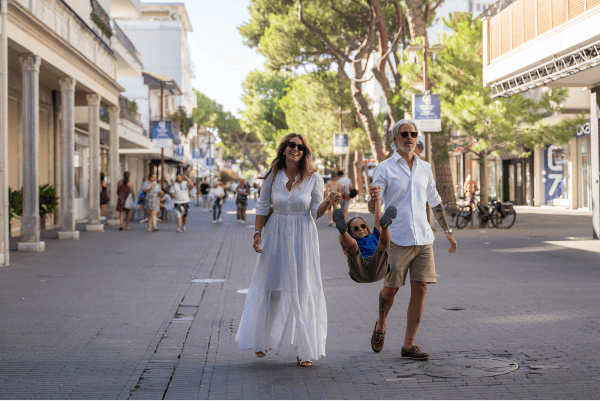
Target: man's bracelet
[{"x": 258, "y": 232}]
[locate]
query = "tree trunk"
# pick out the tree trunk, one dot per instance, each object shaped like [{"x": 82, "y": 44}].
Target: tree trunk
[
  {"x": 246, "y": 151},
  {"x": 350, "y": 163},
  {"x": 443, "y": 173},
  {"x": 416, "y": 19},
  {"x": 483, "y": 184},
  {"x": 358, "y": 184},
  {"x": 366, "y": 115}
]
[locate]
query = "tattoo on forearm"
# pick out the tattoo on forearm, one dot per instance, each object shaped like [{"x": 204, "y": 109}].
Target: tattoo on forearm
[
  {"x": 413, "y": 335},
  {"x": 440, "y": 215}
]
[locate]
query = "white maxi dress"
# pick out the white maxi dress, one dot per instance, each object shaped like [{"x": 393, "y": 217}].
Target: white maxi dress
[{"x": 285, "y": 308}]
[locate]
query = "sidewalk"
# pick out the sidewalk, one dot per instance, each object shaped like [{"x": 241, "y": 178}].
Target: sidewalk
[{"x": 117, "y": 315}]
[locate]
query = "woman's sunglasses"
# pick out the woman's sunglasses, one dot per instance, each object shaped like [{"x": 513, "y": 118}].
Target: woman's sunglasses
[
  {"x": 356, "y": 228},
  {"x": 292, "y": 145},
  {"x": 413, "y": 134}
]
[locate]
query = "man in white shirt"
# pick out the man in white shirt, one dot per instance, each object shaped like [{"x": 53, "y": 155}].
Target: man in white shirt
[
  {"x": 346, "y": 185},
  {"x": 181, "y": 200},
  {"x": 406, "y": 182}
]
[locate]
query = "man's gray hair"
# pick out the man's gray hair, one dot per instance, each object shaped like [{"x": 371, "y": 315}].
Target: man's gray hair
[{"x": 396, "y": 129}]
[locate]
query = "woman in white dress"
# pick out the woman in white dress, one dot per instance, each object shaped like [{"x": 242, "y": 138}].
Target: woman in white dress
[{"x": 285, "y": 307}]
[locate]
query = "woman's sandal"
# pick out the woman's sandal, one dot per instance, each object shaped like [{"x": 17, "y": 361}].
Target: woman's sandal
[
  {"x": 261, "y": 354},
  {"x": 304, "y": 364}
]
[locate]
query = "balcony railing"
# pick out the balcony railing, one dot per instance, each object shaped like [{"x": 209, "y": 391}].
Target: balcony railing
[
  {"x": 125, "y": 41},
  {"x": 128, "y": 110},
  {"x": 101, "y": 18},
  {"x": 525, "y": 20}
]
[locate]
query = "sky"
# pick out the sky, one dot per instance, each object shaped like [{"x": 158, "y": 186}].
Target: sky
[{"x": 221, "y": 59}]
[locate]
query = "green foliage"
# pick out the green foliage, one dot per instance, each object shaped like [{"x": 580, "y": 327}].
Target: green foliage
[
  {"x": 513, "y": 124},
  {"x": 227, "y": 176},
  {"x": 182, "y": 121},
  {"x": 15, "y": 203},
  {"x": 101, "y": 18},
  {"x": 48, "y": 200}
]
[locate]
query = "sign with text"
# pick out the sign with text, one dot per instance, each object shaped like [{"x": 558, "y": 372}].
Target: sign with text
[
  {"x": 554, "y": 178},
  {"x": 583, "y": 130},
  {"x": 210, "y": 163},
  {"x": 179, "y": 154},
  {"x": 197, "y": 156},
  {"x": 426, "y": 112},
  {"x": 162, "y": 134},
  {"x": 340, "y": 144}
]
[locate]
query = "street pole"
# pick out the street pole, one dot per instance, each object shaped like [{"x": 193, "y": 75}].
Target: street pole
[
  {"x": 341, "y": 156},
  {"x": 162, "y": 116},
  {"x": 427, "y": 134},
  {"x": 4, "y": 129}
]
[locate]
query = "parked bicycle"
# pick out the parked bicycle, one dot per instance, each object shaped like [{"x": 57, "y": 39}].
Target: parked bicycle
[{"x": 500, "y": 214}]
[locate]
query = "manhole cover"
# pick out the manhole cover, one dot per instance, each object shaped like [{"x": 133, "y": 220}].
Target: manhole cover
[
  {"x": 208, "y": 280},
  {"x": 244, "y": 291},
  {"x": 461, "y": 367}
]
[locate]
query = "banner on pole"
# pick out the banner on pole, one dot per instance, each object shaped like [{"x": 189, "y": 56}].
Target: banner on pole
[
  {"x": 340, "y": 144},
  {"x": 210, "y": 163},
  {"x": 426, "y": 112},
  {"x": 179, "y": 155},
  {"x": 197, "y": 156},
  {"x": 162, "y": 134}
]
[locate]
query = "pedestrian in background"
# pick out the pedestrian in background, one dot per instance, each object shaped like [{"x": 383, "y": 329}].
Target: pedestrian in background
[
  {"x": 345, "y": 187},
  {"x": 146, "y": 185},
  {"x": 406, "y": 182},
  {"x": 153, "y": 196},
  {"x": 104, "y": 198},
  {"x": 180, "y": 192},
  {"x": 222, "y": 185},
  {"x": 332, "y": 186},
  {"x": 285, "y": 307},
  {"x": 217, "y": 195},
  {"x": 419, "y": 148},
  {"x": 124, "y": 190},
  {"x": 204, "y": 190},
  {"x": 241, "y": 200}
]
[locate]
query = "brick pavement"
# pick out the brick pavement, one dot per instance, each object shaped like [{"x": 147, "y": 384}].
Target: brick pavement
[{"x": 81, "y": 322}]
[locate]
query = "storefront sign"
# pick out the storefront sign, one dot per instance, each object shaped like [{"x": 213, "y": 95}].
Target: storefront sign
[
  {"x": 426, "y": 112},
  {"x": 554, "y": 178},
  {"x": 197, "y": 156},
  {"x": 340, "y": 144},
  {"x": 583, "y": 130},
  {"x": 162, "y": 135}
]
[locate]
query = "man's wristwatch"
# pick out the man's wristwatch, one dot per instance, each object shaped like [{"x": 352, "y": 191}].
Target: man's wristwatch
[{"x": 448, "y": 231}]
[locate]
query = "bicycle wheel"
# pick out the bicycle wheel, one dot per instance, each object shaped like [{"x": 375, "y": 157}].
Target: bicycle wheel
[
  {"x": 496, "y": 218},
  {"x": 463, "y": 217},
  {"x": 451, "y": 209},
  {"x": 509, "y": 220}
]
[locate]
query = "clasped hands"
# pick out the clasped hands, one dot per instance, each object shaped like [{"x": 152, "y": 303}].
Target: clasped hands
[{"x": 334, "y": 198}]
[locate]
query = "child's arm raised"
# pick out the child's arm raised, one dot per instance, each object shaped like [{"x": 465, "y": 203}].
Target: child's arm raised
[{"x": 378, "y": 207}]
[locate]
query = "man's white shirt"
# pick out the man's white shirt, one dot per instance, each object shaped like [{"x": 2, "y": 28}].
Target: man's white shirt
[
  {"x": 407, "y": 191},
  {"x": 181, "y": 191}
]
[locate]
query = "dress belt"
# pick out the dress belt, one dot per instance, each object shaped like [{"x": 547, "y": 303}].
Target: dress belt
[{"x": 291, "y": 213}]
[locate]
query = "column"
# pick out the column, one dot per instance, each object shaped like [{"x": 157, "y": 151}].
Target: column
[
  {"x": 113, "y": 166},
  {"x": 595, "y": 159},
  {"x": 67, "y": 159},
  {"x": 94, "y": 224},
  {"x": 30, "y": 221}
]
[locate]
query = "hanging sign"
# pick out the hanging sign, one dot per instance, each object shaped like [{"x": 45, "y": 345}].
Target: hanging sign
[
  {"x": 426, "y": 112},
  {"x": 162, "y": 135},
  {"x": 179, "y": 154},
  {"x": 583, "y": 130},
  {"x": 340, "y": 144},
  {"x": 197, "y": 156},
  {"x": 210, "y": 163}
]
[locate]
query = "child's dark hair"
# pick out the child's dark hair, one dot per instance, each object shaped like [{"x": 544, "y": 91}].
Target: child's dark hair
[{"x": 348, "y": 224}]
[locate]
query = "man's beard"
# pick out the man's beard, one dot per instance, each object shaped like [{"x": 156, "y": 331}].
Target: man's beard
[{"x": 406, "y": 149}]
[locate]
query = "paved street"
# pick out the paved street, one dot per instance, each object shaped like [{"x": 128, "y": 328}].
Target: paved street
[{"x": 116, "y": 315}]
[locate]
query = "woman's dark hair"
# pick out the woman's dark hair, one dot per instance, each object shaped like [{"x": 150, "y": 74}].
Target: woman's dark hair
[
  {"x": 126, "y": 177},
  {"x": 101, "y": 177},
  {"x": 305, "y": 167}
]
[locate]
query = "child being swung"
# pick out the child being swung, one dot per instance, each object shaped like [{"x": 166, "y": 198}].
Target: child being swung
[{"x": 367, "y": 252}]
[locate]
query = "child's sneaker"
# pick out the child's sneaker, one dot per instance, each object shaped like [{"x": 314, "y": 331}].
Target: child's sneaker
[
  {"x": 340, "y": 220},
  {"x": 388, "y": 216}
]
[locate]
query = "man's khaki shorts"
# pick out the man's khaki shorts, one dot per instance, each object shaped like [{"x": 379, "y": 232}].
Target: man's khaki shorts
[{"x": 417, "y": 258}]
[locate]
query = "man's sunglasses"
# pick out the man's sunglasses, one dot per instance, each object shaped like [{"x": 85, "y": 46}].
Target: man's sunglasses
[
  {"x": 301, "y": 148},
  {"x": 356, "y": 228},
  {"x": 413, "y": 134}
]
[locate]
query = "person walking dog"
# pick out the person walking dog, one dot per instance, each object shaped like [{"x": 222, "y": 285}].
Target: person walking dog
[{"x": 406, "y": 182}]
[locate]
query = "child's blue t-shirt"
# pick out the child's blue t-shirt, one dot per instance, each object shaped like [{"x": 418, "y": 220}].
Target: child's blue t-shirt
[{"x": 368, "y": 244}]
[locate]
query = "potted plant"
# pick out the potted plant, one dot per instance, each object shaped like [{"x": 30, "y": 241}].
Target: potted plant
[
  {"x": 15, "y": 206},
  {"x": 48, "y": 201}
]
